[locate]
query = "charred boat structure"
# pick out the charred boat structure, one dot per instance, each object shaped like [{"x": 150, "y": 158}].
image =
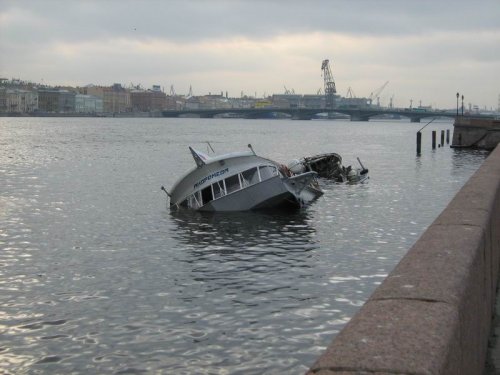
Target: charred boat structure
[{"x": 330, "y": 166}]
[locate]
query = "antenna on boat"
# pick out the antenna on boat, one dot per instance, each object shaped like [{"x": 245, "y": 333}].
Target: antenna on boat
[
  {"x": 209, "y": 145},
  {"x": 251, "y": 148},
  {"x": 165, "y": 190},
  {"x": 362, "y": 166}
]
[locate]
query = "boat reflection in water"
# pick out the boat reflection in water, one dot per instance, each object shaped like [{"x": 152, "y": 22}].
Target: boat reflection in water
[
  {"x": 248, "y": 251},
  {"x": 241, "y": 232},
  {"x": 242, "y": 280},
  {"x": 241, "y": 181}
]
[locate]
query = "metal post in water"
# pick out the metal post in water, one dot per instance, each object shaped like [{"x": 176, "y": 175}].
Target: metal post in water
[
  {"x": 419, "y": 137},
  {"x": 433, "y": 139},
  {"x": 419, "y": 142},
  {"x": 442, "y": 138},
  {"x": 447, "y": 136},
  {"x": 165, "y": 190}
]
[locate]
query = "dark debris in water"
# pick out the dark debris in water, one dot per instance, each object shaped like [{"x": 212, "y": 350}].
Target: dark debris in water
[
  {"x": 49, "y": 359},
  {"x": 40, "y": 325},
  {"x": 131, "y": 370},
  {"x": 53, "y": 337}
]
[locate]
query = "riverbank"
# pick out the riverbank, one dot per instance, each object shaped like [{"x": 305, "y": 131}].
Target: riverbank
[
  {"x": 470, "y": 132},
  {"x": 84, "y": 115},
  {"x": 433, "y": 313}
]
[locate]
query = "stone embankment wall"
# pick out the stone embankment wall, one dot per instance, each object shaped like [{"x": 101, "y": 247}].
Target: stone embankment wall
[
  {"x": 432, "y": 314},
  {"x": 476, "y": 133}
]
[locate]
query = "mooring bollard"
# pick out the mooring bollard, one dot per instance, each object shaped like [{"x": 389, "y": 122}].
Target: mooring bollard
[
  {"x": 442, "y": 138},
  {"x": 419, "y": 142},
  {"x": 433, "y": 139},
  {"x": 447, "y": 136}
]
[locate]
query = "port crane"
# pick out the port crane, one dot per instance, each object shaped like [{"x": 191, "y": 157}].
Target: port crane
[
  {"x": 390, "y": 102},
  {"x": 190, "y": 93},
  {"x": 376, "y": 94},
  {"x": 289, "y": 92},
  {"x": 330, "y": 89},
  {"x": 350, "y": 93}
]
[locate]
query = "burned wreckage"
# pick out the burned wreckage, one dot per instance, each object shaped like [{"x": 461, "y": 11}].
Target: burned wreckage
[{"x": 330, "y": 166}]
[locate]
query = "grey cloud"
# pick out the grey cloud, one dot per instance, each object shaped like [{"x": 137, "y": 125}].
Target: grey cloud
[{"x": 185, "y": 21}]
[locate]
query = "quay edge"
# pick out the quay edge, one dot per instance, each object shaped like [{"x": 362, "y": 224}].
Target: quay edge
[
  {"x": 433, "y": 313},
  {"x": 471, "y": 132}
]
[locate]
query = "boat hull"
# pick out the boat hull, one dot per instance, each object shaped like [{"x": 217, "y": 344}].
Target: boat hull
[
  {"x": 241, "y": 181},
  {"x": 271, "y": 193}
]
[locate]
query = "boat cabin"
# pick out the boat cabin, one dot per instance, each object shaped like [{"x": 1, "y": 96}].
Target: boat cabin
[{"x": 229, "y": 185}]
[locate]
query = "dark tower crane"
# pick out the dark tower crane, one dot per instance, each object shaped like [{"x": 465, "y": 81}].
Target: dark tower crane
[
  {"x": 376, "y": 94},
  {"x": 330, "y": 89}
]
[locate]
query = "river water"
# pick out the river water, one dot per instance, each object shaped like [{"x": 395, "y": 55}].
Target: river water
[{"x": 98, "y": 276}]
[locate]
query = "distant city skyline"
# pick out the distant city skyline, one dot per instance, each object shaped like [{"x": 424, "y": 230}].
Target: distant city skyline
[{"x": 427, "y": 50}]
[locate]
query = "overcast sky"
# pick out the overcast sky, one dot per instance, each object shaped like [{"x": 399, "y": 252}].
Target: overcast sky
[{"x": 427, "y": 49}]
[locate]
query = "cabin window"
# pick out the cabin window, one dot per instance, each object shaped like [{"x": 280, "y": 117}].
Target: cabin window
[
  {"x": 232, "y": 183},
  {"x": 250, "y": 177},
  {"x": 194, "y": 200},
  {"x": 266, "y": 172},
  {"x": 218, "y": 189},
  {"x": 206, "y": 195}
]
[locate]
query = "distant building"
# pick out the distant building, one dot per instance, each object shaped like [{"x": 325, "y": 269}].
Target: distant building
[
  {"x": 263, "y": 103},
  {"x": 116, "y": 99},
  {"x": 215, "y": 102},
  {"x": 3, "y": 99},
  {"x": 88, "y": 104},
  {"x": 66, "y": 101},
  {"x": 148, "y": 100},
  {"x": 352, "y": 102},
  {"x": 175, "y": 102},
  {"x": 244, "y": 102},
  {"x": 313, "y": 101},
  {"x": 286, "y": 100},
  {"x": 48, "y": 100},
  {"x": 56, "y": 100},
  {"x": 208, "y": 102},
  {"x": 18, "y": 101},
  {"x": 192, "y": 103}
]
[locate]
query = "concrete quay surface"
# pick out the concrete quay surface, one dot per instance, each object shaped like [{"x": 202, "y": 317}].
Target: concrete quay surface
[
  {"x": 433, "y": 313},
  {"x": 471, "y": 132},
  {"x": 493, "y": 357}
]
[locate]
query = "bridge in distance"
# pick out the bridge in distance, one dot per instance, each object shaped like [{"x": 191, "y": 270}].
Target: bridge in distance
[{"x": 356, "y": 114}]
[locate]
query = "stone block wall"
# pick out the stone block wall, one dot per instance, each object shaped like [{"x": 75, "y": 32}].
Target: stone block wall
[
  {"x": 432, "y": 314},
  {"x": 476, "y": 133}
]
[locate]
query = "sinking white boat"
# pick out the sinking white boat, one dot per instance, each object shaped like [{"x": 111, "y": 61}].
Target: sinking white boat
[
  {"x": 241, "y": 181},
  {"x": 330, "y": 166}
]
